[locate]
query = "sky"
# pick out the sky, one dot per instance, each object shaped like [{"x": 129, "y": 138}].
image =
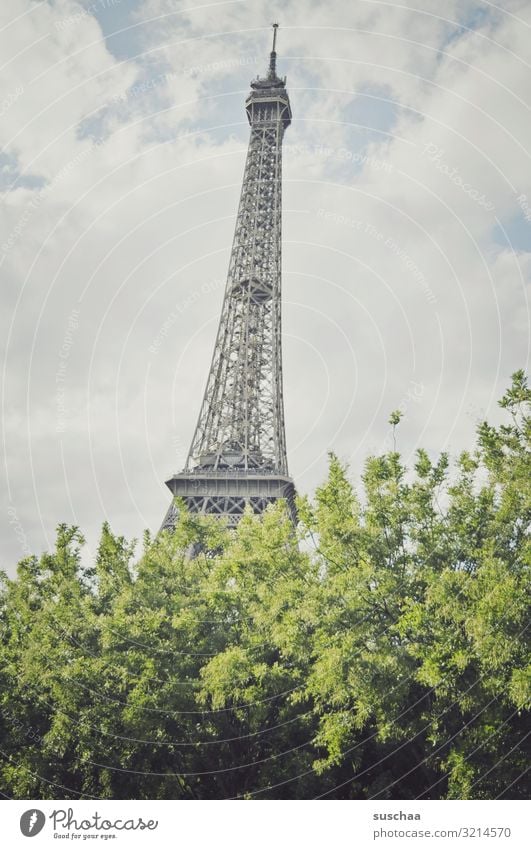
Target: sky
[{"x": 406, "y": 236}]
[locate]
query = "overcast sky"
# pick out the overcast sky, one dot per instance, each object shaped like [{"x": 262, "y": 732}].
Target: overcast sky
[{"x": 406, "y": 235}]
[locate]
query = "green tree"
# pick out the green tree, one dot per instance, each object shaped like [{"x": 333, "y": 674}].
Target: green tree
[{"x": 381, "y": 651}]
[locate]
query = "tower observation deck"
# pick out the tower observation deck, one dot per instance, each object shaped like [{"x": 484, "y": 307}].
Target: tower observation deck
[{"x": 238, "y": 451}]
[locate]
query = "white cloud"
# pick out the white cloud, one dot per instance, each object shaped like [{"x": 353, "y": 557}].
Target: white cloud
[{"x": 399, "y": 287}]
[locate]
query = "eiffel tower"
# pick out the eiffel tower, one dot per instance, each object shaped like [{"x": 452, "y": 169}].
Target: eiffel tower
[{"x": 238, "y": 453}]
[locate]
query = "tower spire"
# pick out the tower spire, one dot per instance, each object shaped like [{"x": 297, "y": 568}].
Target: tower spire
[{"x": 273, "y": 55}]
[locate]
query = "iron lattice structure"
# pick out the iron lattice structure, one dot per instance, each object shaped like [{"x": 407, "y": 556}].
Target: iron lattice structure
[{"x": 238, "y": 452}]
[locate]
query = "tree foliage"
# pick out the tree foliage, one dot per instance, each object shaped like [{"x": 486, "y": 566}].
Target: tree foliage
[{"x": 381, "y": 652}]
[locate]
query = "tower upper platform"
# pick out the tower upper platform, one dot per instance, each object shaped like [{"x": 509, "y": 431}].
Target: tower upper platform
[{"x": 268, "y": 100}]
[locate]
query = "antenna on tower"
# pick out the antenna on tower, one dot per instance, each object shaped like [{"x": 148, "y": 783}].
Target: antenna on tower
[{"x": 273, "y": 55}]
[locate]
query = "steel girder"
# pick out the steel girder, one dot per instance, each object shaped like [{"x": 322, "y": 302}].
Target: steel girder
[{"x": 238, "y": 453}]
